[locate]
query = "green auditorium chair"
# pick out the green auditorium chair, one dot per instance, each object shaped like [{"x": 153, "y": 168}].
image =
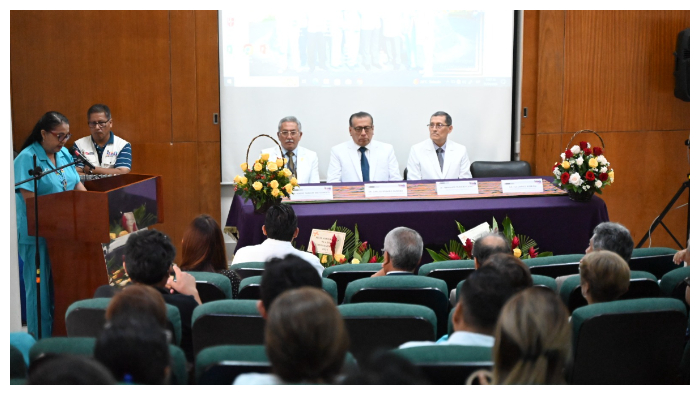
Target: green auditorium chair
[
  {"x": 544, "y": 281},
  {"x": 18, "y": 369},
  {"x": 514, "y": 168},
  {"x": 673, "y": 283},
  {"x": 212, "y": 286},
  {"x": 86, "y": 318},
  {"x": 85, "y": 346},
  {"x": 629, "y": 342},
  {"x": 226, "y": 322},
  {"x": 373, "y": 326},
  {"x": 248, "y": 269},
  {"x": 250, "y": 288},
  {"x": 448, "y": 364},
  {"x": 347, "y": 273},
  {"x": 656, "y": 260},
  {"x": 642, "y": 285},
  {"x": 452, "y": 272},
  {"x": 421, "y": 290},
  {"x": 554, "y": 266}
]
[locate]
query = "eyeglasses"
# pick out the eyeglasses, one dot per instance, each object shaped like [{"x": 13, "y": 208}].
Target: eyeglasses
[
  {"x": 289, "y": 134},
  {"x": 359, "y": 129},
  {"x": 60, "y": 136},
  {"x": 437, "y": 126},
  {"x": 98, "y": 123}
]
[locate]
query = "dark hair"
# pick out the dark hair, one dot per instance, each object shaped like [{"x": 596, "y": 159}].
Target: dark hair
[
  {"x": 483, "y": 294},
  {"x": 387, "y": 368},
  {"x": 488, "y": 245},
  {"x": 203, "y": 248},
  {"x": 611, "y": 236},
  {"x": 281, "y": 222},
  {"x": 448, "y": 118},
  {"x": 137, "y": 302},
  {"x": 287, "y": 273},
  {"x": 405, "y": 247},
  {"x": 134, "y": 351},
  {"x": 607, "y": 275},
  {"x": 67, "y": 369},
  {"x": 149, "y": 254},
  {"x": 305, "y": 336},
  {"x": 361, "y": 114},
  {"x": 97, "y": 108},
  {"x": 513, "y": 268},
  {"x": 48, "y": 122}
]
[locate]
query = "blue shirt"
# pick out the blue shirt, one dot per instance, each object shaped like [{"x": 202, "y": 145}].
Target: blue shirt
[{"x": 57, "y": 181}]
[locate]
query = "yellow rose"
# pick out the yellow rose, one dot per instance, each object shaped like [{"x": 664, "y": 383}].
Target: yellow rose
[
  {"x": 517, "y": 252},
  {"x": 275, "y": 192},
  {"x": 289, "y": 188},
  {"x": 324, "y": 259},
  {"x": 257, "y": 185},
  {"x": 243, "y": 180},
  {"x": 611, "y": 175},
  {"x": 244, "y": 166},
  {"x": 112, "y": 235},
  {"x": 123, "y": 233},
  {"x": 293, "y": 181},
  {"x": 355, "y": 260},
  {"x": 338, "y": 257},
  {"x": 566, "y": 165},
  {"x": 592, "y": 163},
  {"x": 286, "y": 172},
  {"x": 274, "y": 184},
  {"x": 257, "y": 167},
  {"x": 286, "y": 160},
  {"x": 272, "y": 166},
  {"x": 280, "y": 162},
  {"x": 236, "y": 179},
  {"x": 265, "y": 156}
]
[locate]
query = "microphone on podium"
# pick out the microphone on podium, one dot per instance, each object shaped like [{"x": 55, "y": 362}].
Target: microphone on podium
[{"x": 84, "y": 159}]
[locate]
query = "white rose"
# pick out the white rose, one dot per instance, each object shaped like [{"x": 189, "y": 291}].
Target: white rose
[
  {"x": 575, "y": 150},
  {"x": 603, "y": 169},
  {"x": 563, "y": 156},
  {"x": 598, "y": 184},
  {"x": 557, "y": 173},
  {"x": 579, "y": 160},
  {"x": 585, "y": 187},
  {"x": 601, "y": 159},
  {"x": 575, "y": 179}
]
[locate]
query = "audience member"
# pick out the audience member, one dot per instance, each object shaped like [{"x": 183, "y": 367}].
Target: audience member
[
  {"x": 137, "y": 302},
  {"x": 487, "y": 245},
  {"x": 605, "y": 276},
  {"x": 387, "y": 368},
  {"x": 280, "y": 228},
  {"x": 283, "y": 274},
  {"x": 305, "y": 340},
  {"x": 403, "y": 249},
  {"x": 682, "y": 256},
  {"x": 203, "y": 250},
  {"x": 66, "y": 369},
  {"x": 512, "y": 268}
]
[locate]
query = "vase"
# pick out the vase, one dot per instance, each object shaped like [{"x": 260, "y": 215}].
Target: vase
[
  {"x": 265, "y": 205},
  {"x": 584, "y": 196}
]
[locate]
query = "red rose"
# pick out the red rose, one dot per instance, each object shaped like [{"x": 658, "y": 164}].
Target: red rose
[
  {"x": 587, "y": 151},
  {"x": 583, "y": 144},
  {"x": 516, "y": 242},
  {"x": 597, "y": 151},
  {"x": 532, "y": 252},
  {"x": 373, "y": 259},
  {"x": 590, "y": 176},
  {"x": 568, "y": 153},
  {"x": 565, "y": 178},
  {"x": 555, "y": 166},
  {"x": 468, "y": 246},
  {"x": 603, "y": 176},
  {"x": 453, "y": 256}
]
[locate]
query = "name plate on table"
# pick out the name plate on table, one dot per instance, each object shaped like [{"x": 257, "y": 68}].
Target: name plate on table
[
  {"x": 309, "y": 192},
  {"x": 394, "y": 189},
  {"x": 457, "y": 187},
  {"x": 520, "y": 186}
]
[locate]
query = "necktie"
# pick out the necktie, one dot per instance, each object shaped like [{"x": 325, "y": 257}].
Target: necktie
[
  {"x": 440, "y": 159},
  {"x": 364, "y": 164},
  {"x": 290, "y": 163}
]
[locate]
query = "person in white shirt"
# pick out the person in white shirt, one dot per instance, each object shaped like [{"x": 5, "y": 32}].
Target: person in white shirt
[
  {"x": 280, "y": 228},
  {"x": 302, "y": 162},
  {"x": 436, "y": 158},
  {"x": 362, "y": 158}
]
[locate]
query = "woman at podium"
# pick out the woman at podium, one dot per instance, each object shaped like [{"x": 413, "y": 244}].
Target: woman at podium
[{"x": 47, "y": 142}]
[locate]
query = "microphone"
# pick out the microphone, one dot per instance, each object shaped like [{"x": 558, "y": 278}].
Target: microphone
[{"x": 84, "y": 159}]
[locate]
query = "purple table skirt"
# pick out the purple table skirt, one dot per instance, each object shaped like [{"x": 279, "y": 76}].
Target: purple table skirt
[{"x": 557, "y": 223}]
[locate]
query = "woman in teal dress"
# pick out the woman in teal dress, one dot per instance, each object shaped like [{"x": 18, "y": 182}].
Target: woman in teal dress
[{"x": 47, "y": 142}]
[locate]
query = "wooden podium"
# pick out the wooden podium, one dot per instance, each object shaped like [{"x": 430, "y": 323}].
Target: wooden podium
[{"x": 75, "y": 223}]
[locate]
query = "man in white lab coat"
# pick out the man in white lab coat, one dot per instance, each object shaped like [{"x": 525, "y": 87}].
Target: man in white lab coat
[{"x": 302, "y": 162}]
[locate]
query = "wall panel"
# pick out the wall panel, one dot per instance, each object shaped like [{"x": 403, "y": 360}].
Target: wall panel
[
  {"x": 184, "y": 71},
  {"x": 550, "y": 78}
]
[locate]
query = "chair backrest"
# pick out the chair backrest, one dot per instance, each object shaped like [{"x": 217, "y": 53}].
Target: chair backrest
[
  {"x": 642, "y": 285},
  {"x": 250, "y": 288},
  {"x": 248, "y": 269},
  {"x": 212, "y": 286},
  {"x": 448, "y": 364},
  {"x": 451, "y": 272},
  {"x": 373, "y": 326},
  {"x": 544, "y": 281},
  {"x": 18, "y": 369},
  {"x": 226, "y": 322},
  {"x": 636, "y": 341},
  {"x": 346, "y": 273},
  {"x": 420, "y": 290},
  {"x": 516, "y": 168},
  {"x": 673, "y": 283},
  {"x": 657, "y": 261},
  {"x": 554, "y": 266}
]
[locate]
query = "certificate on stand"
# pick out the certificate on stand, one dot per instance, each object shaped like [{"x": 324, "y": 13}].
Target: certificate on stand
[
  {"x": 520, "y": 186},
  {"x": 393, "y": 189},
  {"x": 312, "y": 192},
  {"x": 457, "y": 187}
]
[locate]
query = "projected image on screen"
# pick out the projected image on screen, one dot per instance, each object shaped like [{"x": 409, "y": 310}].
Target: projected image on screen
[{"x": 355, "y": 49}]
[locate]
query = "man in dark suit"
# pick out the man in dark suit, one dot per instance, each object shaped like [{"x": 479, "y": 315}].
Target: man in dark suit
[{"x": 403, "y": 248}]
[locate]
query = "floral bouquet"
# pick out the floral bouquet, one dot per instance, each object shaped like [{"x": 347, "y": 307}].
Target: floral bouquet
[
  {"x": 583, "y": 169},
  {"x": 264, "y": 182},
  {"x": 353, "y": 250}
]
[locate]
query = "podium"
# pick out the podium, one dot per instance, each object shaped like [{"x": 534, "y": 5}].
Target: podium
[{"x": 75, "y": 223}]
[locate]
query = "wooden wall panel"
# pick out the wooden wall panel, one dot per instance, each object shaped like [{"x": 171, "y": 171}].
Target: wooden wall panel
[
  {"x": 184, "y": 75},
  {"x": 527, "y": 150},
  {"x": 529, "y": 74},
  {"x": 209, "y": 168},
  {"x": 207, "y": 44},
  {"x": 547, "y": 150},
  {"x": 550, "y": 77}
]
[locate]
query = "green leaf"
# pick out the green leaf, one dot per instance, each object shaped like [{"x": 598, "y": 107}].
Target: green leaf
[
  {"x": 366, "y": 256},
  {"x": 436, "y": 257},
  {"x": 333, "y": 226},
  {"x": 494, "y": 227},
  {"x": 460, "y": 228},
  {"x": 546, "y": 253}
]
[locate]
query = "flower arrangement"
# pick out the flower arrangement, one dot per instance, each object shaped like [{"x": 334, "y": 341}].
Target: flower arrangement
[
  {"x": 353, "y": 249},
  {"x": 265, "y": 182},
  {"x": 583, "y": 169},
  {"x": 455, "y": 250}
]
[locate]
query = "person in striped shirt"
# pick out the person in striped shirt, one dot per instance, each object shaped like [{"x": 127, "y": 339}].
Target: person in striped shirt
[{"x": 109, "y": 153}]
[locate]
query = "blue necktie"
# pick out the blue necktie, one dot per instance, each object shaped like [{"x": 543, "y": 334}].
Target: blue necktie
[{"x": 364, "y": 164}]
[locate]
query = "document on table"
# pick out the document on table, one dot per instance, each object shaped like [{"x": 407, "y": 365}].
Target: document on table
[
  {"x": 312, "y": 192},
  {"x": 394, "y": 189},
  {"x": 520, "y": 186},
  {"x": 457, "y": 187}
]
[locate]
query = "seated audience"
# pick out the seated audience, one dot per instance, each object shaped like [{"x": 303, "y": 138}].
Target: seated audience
[
  {"x": 682, "y": 256},
  {"x": 283, "y": 274},
  {"x": 533, "y": 340},
  {"x": 203, "y": 250},
  {"x": 137, "y": 302},
  {"x": 280, "y": 228},
  {"x": 403, "y": 249},
  {"x": 387, "y": 368},
  {"x": 305, "y": 340},
  {"x": 66, "y": 369},
  {"x": 604, "y": 276},
  {"x": 512, "y": 268}
]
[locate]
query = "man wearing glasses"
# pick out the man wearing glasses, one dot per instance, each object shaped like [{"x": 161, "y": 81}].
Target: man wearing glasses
[
  {"x": 303, "y": 163},
  {"x": 363, "y": 159},
  {"x": 435, "y": 158},
  {"x": 108, "y": 153}
]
